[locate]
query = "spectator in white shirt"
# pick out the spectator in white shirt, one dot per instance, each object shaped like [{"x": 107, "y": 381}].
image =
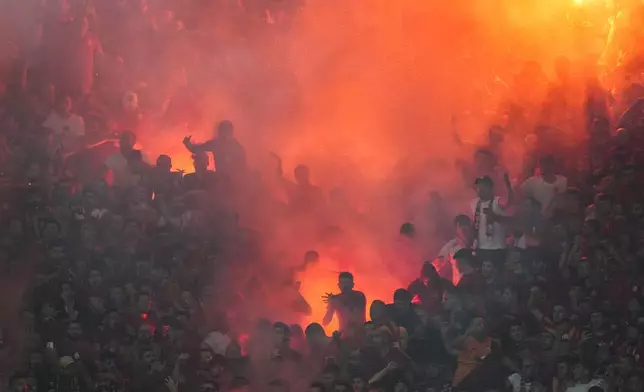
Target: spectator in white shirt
[
  {"x": 526, "y": 380},
  {"x": 444, "y": 263},
  {"x": 489, "y": 219},
  {"x": 583, "y": 380},
  {"x": 67, "y": 128},
  {"x": 118, "y": 163},
  {"x": 546, "y": 185}
]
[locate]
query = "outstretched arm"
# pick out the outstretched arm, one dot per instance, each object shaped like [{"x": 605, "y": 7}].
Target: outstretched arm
[
  {"x": 330, "y": 311},
  {"x": 196, "y": 147}
]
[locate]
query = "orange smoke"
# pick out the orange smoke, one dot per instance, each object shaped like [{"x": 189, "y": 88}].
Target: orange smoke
[
  {"x": 364, "y": 93},
  {"x": 371, "y": 277}
]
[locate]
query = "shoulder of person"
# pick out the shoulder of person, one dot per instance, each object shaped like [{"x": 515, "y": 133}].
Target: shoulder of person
[
  {"x": 528, "y": 182},
  {"x": 414, "y": 286},
  {"x": 446, "y": 248},
  {"x": 113, "y": 158},
  {"x": 514, "y": 378},
  {"x": 51, "y": 117},
  {"x": 562, "y": 178}
]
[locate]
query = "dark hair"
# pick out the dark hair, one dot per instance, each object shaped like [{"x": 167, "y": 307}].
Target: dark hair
[
  {"x": 311, "y": 255},
  {"x": 465, "y": 254},
  {"x": 407, "y": 229},
  {"x": 317, "y": 385},
  {"x": 462, "y": 220},
  {"x": 225, "y": 124},
  {"x": 313, "y": 328},
  {"x": 402, "y": 295},
  {"x": 345, "y": 275},
  {"x": 428, "y": 270}
]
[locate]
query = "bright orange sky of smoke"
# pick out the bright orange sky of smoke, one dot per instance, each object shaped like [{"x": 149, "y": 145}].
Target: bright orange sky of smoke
[{"x": 363, "y": 86}]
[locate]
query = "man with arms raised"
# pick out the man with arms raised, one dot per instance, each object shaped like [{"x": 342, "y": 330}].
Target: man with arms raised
[{"x": 349, "y": 306}]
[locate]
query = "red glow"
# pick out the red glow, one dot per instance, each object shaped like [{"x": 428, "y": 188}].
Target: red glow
[
  {"x": 243, "y": 342},
  {"x": 370, "y": 277}
]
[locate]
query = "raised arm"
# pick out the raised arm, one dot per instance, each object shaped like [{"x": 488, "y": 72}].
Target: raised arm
[
  {"x": 330, "y": 310},
  {"x": 197, "y": 147},
  {"x": 510, "y": 190}
]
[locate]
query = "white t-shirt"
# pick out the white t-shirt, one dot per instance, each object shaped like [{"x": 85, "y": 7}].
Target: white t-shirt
[
  {"x": 117, "y": 163},
  {"x": 218, "y": 342},
  {"x": 496, "y": 239},
  {"x": 123, "y": 176},
  {"x": 515, "y": 381},
  {"x": 586, "y": 387},
  {"x": 70, "y": 126},
  {"x": 66, "y": 130},
  {"x": 543, "y": 191},
  {"x": 447, "y": 252}
]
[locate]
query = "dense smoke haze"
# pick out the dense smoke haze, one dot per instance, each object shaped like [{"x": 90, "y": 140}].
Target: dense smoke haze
[{"x": 367, "y": 94}]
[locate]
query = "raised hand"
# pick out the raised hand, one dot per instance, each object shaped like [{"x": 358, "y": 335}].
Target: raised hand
[
  {"x": 172, "y": 385},
  {"x": 187, "y": 140},
  {"x": 328, "y": 297}
]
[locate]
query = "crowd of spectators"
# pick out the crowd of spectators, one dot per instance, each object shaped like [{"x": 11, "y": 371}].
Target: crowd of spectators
[{"x": 128, "y": 263}]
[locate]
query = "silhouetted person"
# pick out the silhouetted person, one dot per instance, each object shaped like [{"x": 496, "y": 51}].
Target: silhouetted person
[
  {"x": 349, "y": 306},
  {"x": 202, "y": 178},
  {"x": 228, "y": 153}
]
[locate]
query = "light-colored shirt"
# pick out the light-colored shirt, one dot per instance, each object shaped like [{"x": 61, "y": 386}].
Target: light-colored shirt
[
  {"x": 447, "y": 253},
  {"x": 61, "y": 126},
  {"x": 542, "y": 191},
  {"x": 67, "y": 130},
  {"x": 586, "y": 387},
  {"x": 218, "y": 342},
  {"x": 485, "y": 240},
  {"x": 515, "y": 380},
  {"x": 123, "y": 176}
]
